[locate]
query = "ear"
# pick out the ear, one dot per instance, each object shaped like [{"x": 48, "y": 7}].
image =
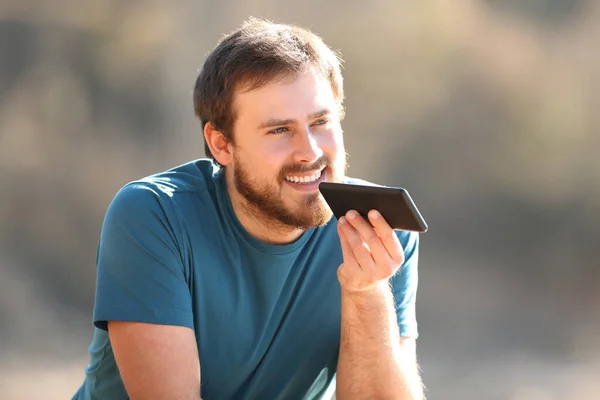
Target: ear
[{"x": 218, "y": 144}]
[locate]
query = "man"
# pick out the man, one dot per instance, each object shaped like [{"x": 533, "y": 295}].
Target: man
[{"x": 228, "y": 278}]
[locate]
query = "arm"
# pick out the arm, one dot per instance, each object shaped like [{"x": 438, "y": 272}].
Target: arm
[
  {"x": 142, "y": 296},
  {"x": 156, "y": 361},
  {"x": 375, "y": 362}
]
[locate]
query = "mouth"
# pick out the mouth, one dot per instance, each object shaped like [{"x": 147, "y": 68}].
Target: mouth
[{"x": 306, "y": 181}]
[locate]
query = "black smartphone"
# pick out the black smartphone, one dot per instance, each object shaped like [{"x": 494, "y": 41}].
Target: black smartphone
[{"x": 394, "y": 203}]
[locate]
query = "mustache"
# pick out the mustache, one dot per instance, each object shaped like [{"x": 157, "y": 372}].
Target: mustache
[{"x": 321, "y": 163}]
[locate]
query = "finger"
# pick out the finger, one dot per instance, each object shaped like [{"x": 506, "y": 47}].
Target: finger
[
  {"x": 370, "y": 236},
  {"x": 357, "y": 244},
  {"x": 347, "y": 252},
  {"x": 387, "y": 236}
]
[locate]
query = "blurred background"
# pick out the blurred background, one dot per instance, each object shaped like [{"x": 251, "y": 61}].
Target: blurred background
[{"x": 487, "y": 111}]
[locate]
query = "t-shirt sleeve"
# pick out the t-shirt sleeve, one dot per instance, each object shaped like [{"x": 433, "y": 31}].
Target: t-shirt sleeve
[
  {"x": 140, "y": 272},
  {"x": 405, "y": 283}
]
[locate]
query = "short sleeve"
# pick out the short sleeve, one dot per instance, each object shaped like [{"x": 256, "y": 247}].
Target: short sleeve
[
  {"x": 140, "y": 272},
  {"x": 405, "y": 284}
]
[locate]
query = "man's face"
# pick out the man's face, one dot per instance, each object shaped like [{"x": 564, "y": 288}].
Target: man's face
[{"x": 288, "y": 139}]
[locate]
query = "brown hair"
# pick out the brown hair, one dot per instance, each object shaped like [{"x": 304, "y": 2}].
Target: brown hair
[{"x": 252, "y": 56}]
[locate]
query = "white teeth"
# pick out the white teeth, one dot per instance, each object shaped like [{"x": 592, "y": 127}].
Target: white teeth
[{"x": 304, "y": 179}]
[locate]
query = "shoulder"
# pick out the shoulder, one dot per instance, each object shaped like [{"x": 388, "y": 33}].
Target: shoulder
[
  {"x": 162, "y": 189},
  {"x": 194, "y": 176}
]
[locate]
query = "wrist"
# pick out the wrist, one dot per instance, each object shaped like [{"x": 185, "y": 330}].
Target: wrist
[{"x": 376, "y": 294}]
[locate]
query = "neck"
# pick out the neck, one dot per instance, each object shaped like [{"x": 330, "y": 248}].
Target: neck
[{"x": 258, "y": 225}]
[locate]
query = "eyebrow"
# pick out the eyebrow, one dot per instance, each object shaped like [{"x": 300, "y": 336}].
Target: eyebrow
[{"x": 273, "y": 122}]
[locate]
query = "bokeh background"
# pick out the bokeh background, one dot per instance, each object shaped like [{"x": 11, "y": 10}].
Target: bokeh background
[{"x": 487, "y": 111}]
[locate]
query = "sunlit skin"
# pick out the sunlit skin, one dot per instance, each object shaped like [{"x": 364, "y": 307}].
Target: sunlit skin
[{"x": 288, "y": 128}]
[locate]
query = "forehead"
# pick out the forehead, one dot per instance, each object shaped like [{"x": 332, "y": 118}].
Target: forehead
[{"x": 288, "y": 97}]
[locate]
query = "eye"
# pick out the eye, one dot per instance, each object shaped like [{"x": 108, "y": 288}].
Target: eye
[
  {"x": 321, "y": 121},
  {"x": 279, "y": 131}
]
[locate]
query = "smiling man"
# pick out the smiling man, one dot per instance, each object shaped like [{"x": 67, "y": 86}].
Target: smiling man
[{"x": 228, "y": 277}]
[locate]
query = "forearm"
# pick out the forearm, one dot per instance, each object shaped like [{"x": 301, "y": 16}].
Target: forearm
[{"x": 372, "y": 363}]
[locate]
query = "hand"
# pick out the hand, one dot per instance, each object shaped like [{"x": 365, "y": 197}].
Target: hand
[{"x": 372, "y": 252}]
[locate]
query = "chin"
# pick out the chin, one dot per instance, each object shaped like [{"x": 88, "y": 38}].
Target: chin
[{"x": 316, "y": 215}]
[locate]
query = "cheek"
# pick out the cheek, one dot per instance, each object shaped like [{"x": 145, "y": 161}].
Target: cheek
[
  {"x": 335, "y": 144},
  {"x": 267, "y": 162}
]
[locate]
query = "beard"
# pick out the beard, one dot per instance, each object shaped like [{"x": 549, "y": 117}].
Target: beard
[{"x": 266, "y": 202}]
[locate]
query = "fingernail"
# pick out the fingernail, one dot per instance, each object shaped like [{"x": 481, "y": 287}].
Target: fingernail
[
  {"x": 342, "y": 220},
  {"x": 351, "y": 214},
  {"x": 375, "y": 214}
]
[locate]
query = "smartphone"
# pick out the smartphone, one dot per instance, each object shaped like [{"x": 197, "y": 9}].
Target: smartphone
[{"x": 394, "y": 203}]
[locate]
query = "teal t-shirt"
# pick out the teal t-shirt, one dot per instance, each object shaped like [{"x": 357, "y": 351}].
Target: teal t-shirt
[{"x": 266, "y": 317}]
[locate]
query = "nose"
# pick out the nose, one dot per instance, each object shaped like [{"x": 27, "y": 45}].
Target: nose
[{"x": 307, "y": 147}]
